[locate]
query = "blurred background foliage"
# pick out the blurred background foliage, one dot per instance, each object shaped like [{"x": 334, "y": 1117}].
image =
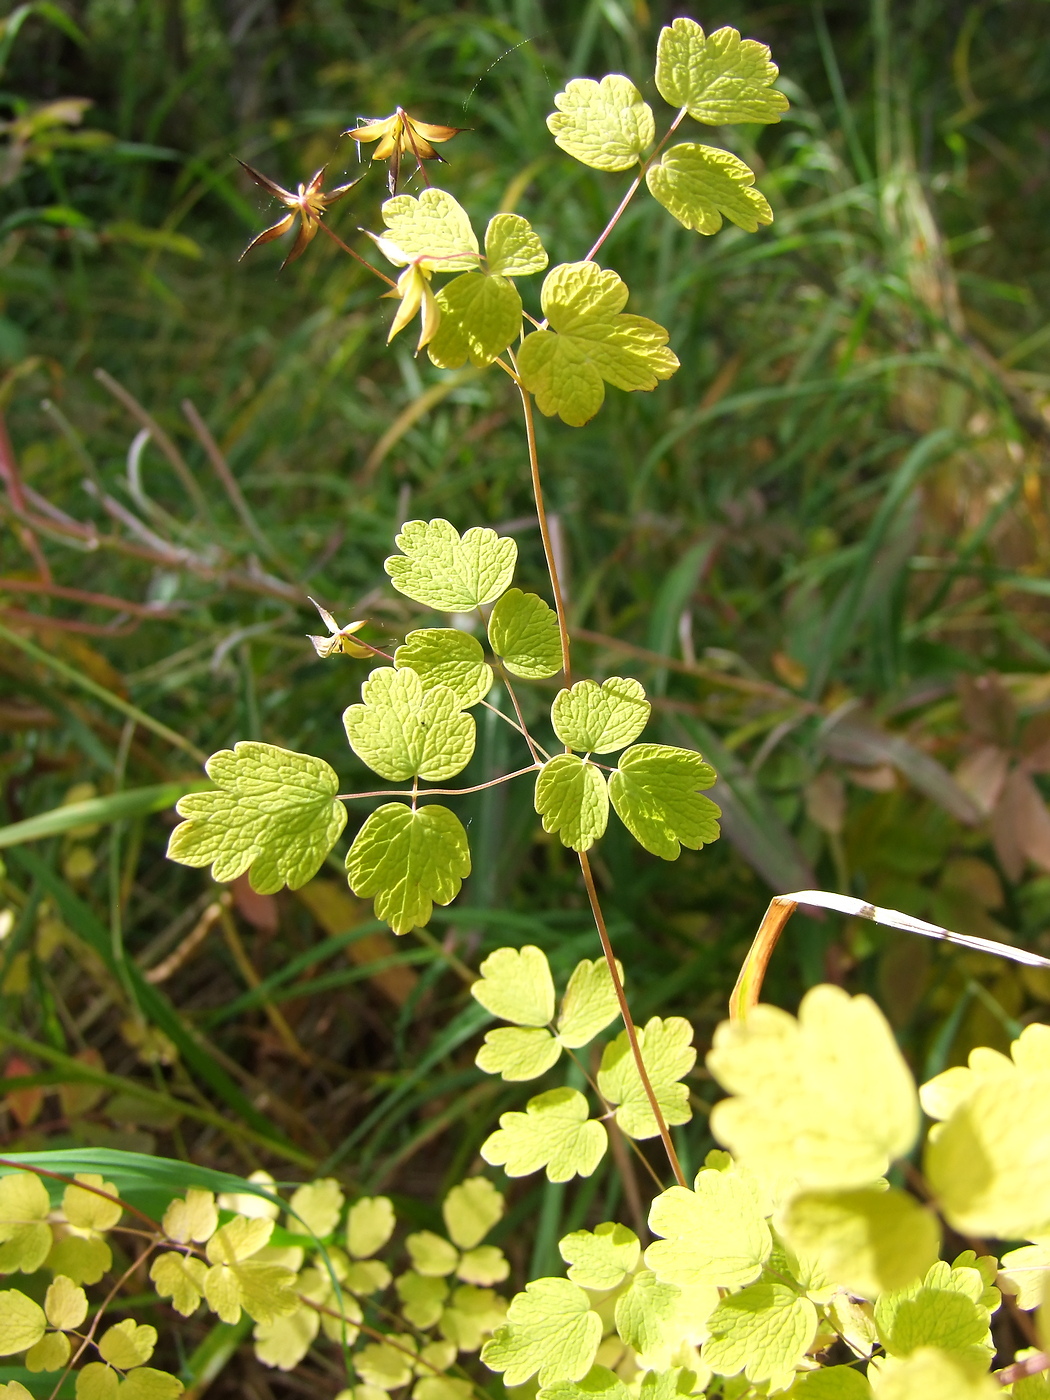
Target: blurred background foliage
[{"x": 822, "y": 546}]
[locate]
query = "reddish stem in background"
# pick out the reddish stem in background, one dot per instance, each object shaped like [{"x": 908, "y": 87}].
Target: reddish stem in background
[{"x": 13, "y": 482}]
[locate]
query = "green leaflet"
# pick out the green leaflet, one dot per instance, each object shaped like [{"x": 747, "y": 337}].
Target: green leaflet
[
  {"x": 869, "y": 1241},
  {"x": 598, "y": 1384},
  {"x": 605, "y": 125},
  {"x": 601, "y": 1259},
  {"x": 470, "y": 1210},
  {"x": 550, "y": 1331},
  {"x": 700, "y": 185},
  {"x": 450, "y": 574},
  {"x": 512, "y": 248},
  {"x": 827, "y": 1100},
  {"x": 764, "y": 1331},
  {"x": 446, "y": 656},
  {"x": 516, "y": 985},
  {"x": 831, "y": 1383},
  {"x": 404, "y": 730},
  {"x": 572, "y": 798},
  {"x": 523, "y": 632},
  {"x": 645, "y": 1311},
  {"x": 714, "y": 1234},
  {"x": 408, "y": 860},
  {"x": 720, "y": 78},
  {"x": 518, "y": 1053},
  {"x": 434, "y": 228},
  {"x": 272, "y": 813},
  {"x": 932, "y": 1375},
  {"x": 668, "y": 1055},
  {"x": 589, "y": 1003},
  {"x": 944, "y": 1310},
  {"x": 554, "y": 1132},
  {"x": 655, "y": 793},
  {"x": 595, "y": 718},
  {"x": 590, "y": 344}
]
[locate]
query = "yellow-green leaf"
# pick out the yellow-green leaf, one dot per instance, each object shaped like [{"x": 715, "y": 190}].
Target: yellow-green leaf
[
  {"x": 450, "y": 574},
  {"x": 386, "y": 1366},
  {"x": 720, "y": 78},
  {"x": 179, "y": 1277},
  {"x": 518, "y": 1053},
  {"x": 480, "y": 316},
  {"x": 474, "y": 1314},
  {"x": 516, "y": 985},
  {"x": 602, "y": 1258},
  {"x": 668, "y": 1055},
  {"x": 409, "y": 861},
  {"x": 943, "y": 1310},
  {"x": 422, "y": 1298},
  {"x": 605, "y": 125},
  {"x": 127, "y": 1344},
  {"x": 764, "y": 1331},
  {"x": 550, "y": 1332},
  {"x": 656, "y": 793},
  {"x": 701, "y": 185},
  {"x": 319, "y": 1205},
  {"x": 22, "y": 1322},
  {"x": 1026, "y": 1273},
  {"x": 50, "y": 1354},
  {"x": 97, "y": 1381},
  {"x": 81, "y": 1260},
  {"x": 195, "y": 1218},
  {"x": 65, "y": 1304},
  {"x": 554, "y": 1132},
  {"x": 431, "y": 1255},
  {"x": 931, "y": 1374},
  {"x": 714, "y": 1234},
  {"x": 447, "y": 657},
  {"x": 87, "y": 1210},
  {"x": 572, "y": 799},
  {"x": 146, "y": 1383},
  {"x": 512, "y": 248},
  {"x": 595, "y": 718},
  {"x": 402, "y": 730},
  {"x": 523, "y": 632},
  {"x": 284, "y": 1341},
  {"x": 470, "y": 1210},
  {"x": 589, "y": 1003},
  {"x": 25, "y": 1236},
  {"x": 432, "y": 229},
  {"x": 483, "y": 1265},
  {"x": 369, "y": 1224}
]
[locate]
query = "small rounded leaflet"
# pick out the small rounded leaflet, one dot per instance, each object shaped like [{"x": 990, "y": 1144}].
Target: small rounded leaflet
[
  {"x": 22, "y": 1322},
  {"x": 554, "y": 1132},
  {"x": 385, "y": 1366},
  {"x": 590, "y": 343},
  {"x": 764, "y": 1331},
  {"x": 236, "y": 1280},
  {"x": 832, "y": 1383},
  {"x": 668, "y": 1055},
  {"x": 868, "y": 1241},
  {"x": 432, "y": 230},
  {"x": 605, "y": 125},
  {"x": 127, "y": 1344},
  {"x": 49, "y": 1354},
  {"x": 194, "y": 1218},
  {"x": 589, "y": 1004},
  {"x": 518, "y": 1053},
  {"x": 572, "y": 799},
  {"x": 826, "y": 1100},
  {"x": 408, "y": 860},
  {"x": 454, "y": 575},
  {"x": 179, "y": 1277},
  {"x": 512, "y": 247},
  {"x": 602, "y": 1384},
  {"x": 516, "y": 985},
  {"x": 422, "y": 1298},
  {"x": 523, "y": 632},
  {"x": 593, "y": 718},
  {"x": 25, "y": 1235},
  {"x": 402, "y": 730},
  {"x": 315, "y": 1208},
  {"x": 369, "y": 1224},
  {"x": 272, "y": 812},
  {"x": 931, "y": 1374},
  {"x": 448, "y": 657},
  {"x": 471, "y": 1210},
  {"x": 948, "y": 1310},
  {"x": 719, "y": 78},
  {"x": 647, "y": 1311},
  {"x": 656, "y": 793},
  {"x": 551, "y": 1332},
  {"x": 701, "y": 185},
  {"x": 714, "y": 1234},
  {"x": 1025, "y": 1273},
  {"x": 431, "y": 1255},
  {"x": 65, "y": 1304},
  {"x": 602, "y": 1258}
]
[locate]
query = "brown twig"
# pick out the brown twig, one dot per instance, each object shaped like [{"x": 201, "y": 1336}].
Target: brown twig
[
  {"x": 146, "y": 420},
  {"x": 9, "y": 474}
]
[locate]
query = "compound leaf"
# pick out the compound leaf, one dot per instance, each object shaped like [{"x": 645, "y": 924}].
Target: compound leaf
[
  {"x": 433, "y": 229},
  {"x": 550, "y": 1331},
  {"x": 602, "y": 1258},
  {"x": 764, "y": 1331},
  {"x": 516, "y": 985},
  {"x": 700, "y": 185},
  {"x": 369, "y": 1224},
  {"x": 22, "y": 1322},
  {"x": 655, "y": 792},
  {"x": 402, "y": 729},
  {"x": 827, "y": 1100},
  {"x": 450, "y": 574},
  {"x": 572, "y": 798},
  {"x": 553, "y": 1132},
  {"x": 408, "y": 861},
  {"x": 668, "y": 1055},
  {"x": 605, "y": 125},
  {"x": 942, "y": 1310},
  {"x": 480, "y": 316},
  {"x": 589, "y": 1003},
  {"x": 518, "y": 1053},
  {"x": 470, "y": 1210},
  {"x": 590, "y": 344},
  {"x": 448, "y": 657},
  {"x": 273, "y": 813},
  {"x": 523, "y": 632},
  {"x": 595, "y": 718},
  {"x": 720, "y": 78},
  {"x": 714, "y": 1234},
  {"x": 512, "y": 248},
  {"x": 869, "y": 1241}
]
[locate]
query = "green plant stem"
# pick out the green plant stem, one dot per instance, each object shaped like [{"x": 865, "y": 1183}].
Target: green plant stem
[
  {"x": 545, "y": 534},
  {"x": 625, "y": 1012},
  {"x": 635, "y": 184}
]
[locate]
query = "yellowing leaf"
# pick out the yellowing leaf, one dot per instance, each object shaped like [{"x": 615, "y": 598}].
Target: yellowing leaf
[
  {"x": 450, "y": 574},
  {"x": 239, "y": 1239},
  {"x": 668, "y": 1055},
  {"x": 572, "y": 799},
  {"x": 367, "y": 1276},
  {"x": 605, "y": 125},
  {"x": 932, "y": 1375},
  {"x": 831, "y": 1383},
  {"x": 179, "y": 1277},
  {"x": 598, "y": 1384},
  {"x": 554, "y": 1132},
  {"x": 15, "y": 1390},
  {"x": 512, "y": 248},
  {"x": 516, "y": 985},
  {"x": 483, "y": 1265},
  {"x": 81, "y": 1260},
  {"x": 720, "y": 78},
  {"x": 25, "y": 1236},
  {"x": 518, "y": 1053},
  {"x": 264, "y": 1291},
  {"x": 764, "y": 1331},
  {"x": 1026, "y": 1272},
  {"x": 432, "y": 1387},
  {"x": 589, "y": 1003},
  {"x": 50, "y": 1354},
  {"x": 827, "y": 1100},
  {"x": 402, "y": 730},
  {"x": 284, "y": 1341},
  {"x": 22, "y": 1322},
  {"x": 431, "y": 1255},
  {"x": 254, "y": 1207},
  {"x": 65, "y": 1304},
  {"x": 445, "y": 656},
  {"x": 714, "y": 1234},
  {"x": 647, "y": 1313},
  {"x": 273, "y": 813},
  {"x": 369, "y": 1224},
  {"x": 942, "y": 1310},
  {"x": 195, "y": 1218},
  {"x": 470, "y": 1210},
  {"x": 591, "y": 343},
  {"x": 127, "y": 1344},
  {"x": 385, "y": 1365},
  {"x": 655, "y": 792},
  {"x": 408, "y": 861},
  {"x": 422, "y": 1298},
  {"x": 480, "y": 316},
  {"x": 88, "y": 1210},
  {"x": 145, "y": 1383},
  {"x": 475, "y": 1313},
  {"x": 869, "y": 1241},
  {"x": 600, "y": 1259},
  {"x": 523, "y": 632},
  {"x": 319, "y": 1205},
  {"x": 701, "y": 185},
  {"x": 433, "y": 230},
  {"x": 602, "y": 718},
  {"x": 550, "y": 1331},
  {"x": 96, "y": 1381}
]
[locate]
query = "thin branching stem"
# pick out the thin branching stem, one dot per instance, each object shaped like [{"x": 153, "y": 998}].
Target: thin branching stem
[
  {"x": 416, "y": 791},
  {"x": 545, "y": 534},
  {"x": 633, "y": 190},
  {"x": 356, "y": 256}
]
